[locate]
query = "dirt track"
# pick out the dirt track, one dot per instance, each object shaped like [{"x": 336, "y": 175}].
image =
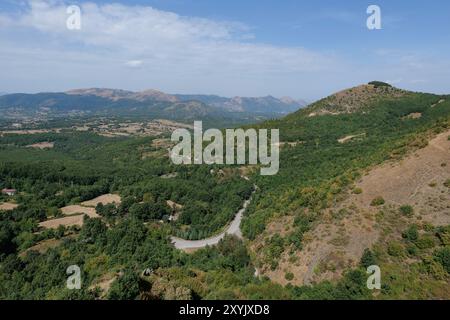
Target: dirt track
[{"x": 233, "y": 229}]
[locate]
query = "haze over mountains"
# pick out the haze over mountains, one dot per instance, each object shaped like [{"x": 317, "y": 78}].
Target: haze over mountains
[{"x": 149, "y": 103}]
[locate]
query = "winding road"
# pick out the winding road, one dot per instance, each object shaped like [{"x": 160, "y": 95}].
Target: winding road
[{"x": 233, "y": 229}]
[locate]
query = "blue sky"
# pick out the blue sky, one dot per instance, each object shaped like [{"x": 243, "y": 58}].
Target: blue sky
[{"x": 303, "y": 49}]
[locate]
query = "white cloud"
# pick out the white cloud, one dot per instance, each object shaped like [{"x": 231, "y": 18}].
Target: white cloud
[
  {"x": 134, "y": 63},
  {"x": 200, "y": 49},
  {"x": 138, "y": 47}
]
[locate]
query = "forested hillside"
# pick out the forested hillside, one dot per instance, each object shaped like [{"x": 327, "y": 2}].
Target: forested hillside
[{"x": 325, "y": 149}]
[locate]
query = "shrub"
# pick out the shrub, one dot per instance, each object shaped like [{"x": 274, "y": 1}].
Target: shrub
[
  {"x": 412, "y": 250},
  {"x": 289, "y": 276},
  {"x": 126, "y": 287},
  {"x": 411, "y": 233},
  {"x": 447, "y": 183},
  {"x": 443, "y": 257},
  {"x": 368, "y": 258},
  {"x": 353, "y": 286},
  {"x": 434, "y": 268},
  {"x": 378, "y": 84},
  {"x": 407, "y": 210},
  {"x": 395, "y": 249},
  {"x": 443, "y": 233},
  {"x": 357, "y": 191},
  {"x": 378, "y": 201},
  {"x": 425, "y": 242}
]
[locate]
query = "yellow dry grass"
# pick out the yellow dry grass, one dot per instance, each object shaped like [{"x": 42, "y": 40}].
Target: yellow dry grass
[
  {"x": 77, "y": 209},
  {"x": 42, "y": 145},
  {"x": 7, "y": 206},
  {"x": 104, "y": 199}
]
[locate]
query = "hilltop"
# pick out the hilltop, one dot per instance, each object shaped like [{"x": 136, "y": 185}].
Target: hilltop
[{"x": 355, "y": 99}]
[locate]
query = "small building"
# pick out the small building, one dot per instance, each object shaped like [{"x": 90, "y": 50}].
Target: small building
[
  {"x": 176, "y": 208},
  {"x": 9, "y": 192}
]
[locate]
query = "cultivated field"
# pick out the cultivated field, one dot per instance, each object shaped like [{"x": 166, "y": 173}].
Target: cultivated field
[
  {"x": 77, "y": 209},
  {"x": 104, "y": 199},
  {"x": 7, "y": 206}
]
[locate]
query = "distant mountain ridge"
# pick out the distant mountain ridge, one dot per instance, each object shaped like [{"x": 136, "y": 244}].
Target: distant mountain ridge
[
  {"x": 268, "y": 104},
  {"x": 150, "y": 103}
]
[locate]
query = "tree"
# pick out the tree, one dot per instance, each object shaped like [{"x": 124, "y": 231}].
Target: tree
[
  {"x": 411, "y": 233},
  {"x": 94, "y": 230},
  {"x": 378, "y": 201},
  {"x": 148, "y": 197},
  {"x": 353, "y": 286},
  {"x": 125, "y": 287},
  {"x": 368, "y": 258},
  {"x": 443, "y": 256},
  {"x": 7, "y": 235},
  {"x": 406, "y": 210}
]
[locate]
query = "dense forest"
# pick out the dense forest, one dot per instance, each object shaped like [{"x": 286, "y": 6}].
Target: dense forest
[{"x": 130, "y": 243}]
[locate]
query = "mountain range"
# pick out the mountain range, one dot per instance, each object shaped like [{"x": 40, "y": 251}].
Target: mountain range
[{"x": 149, "y": 103}]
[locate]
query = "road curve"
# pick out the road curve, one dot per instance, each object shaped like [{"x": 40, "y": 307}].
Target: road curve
[{"x": 233, "y": 229}]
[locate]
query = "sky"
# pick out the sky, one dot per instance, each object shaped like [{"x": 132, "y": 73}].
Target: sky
[{"x": 302, "y": 49}]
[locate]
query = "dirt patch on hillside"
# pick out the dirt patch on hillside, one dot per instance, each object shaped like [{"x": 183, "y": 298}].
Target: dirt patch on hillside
[
  {"x": 23, "y": 132},
  {"x": 418, "y": 180},
  {"x": 414, "y": 115},
  {"x": 281, "y": 226},
  {"x": 334, "y": 245},
  {"x": 439, "y": 102},
  {"x": 104, "y": 283},
  {"x": 162, "y": 143},
  {"x": 351, "y": 137},
  {"x": 345, "y": 230},
  {"x": 66, "y": 221},
  {"x": 74, "y": 217},
  {"x": 42, "y": 145},
  {"x": 291, "y": 144},
  {"x": 104, "y": 199},
  {"x": 8, "y": 206},
  {"x": 77, "y": 209}
]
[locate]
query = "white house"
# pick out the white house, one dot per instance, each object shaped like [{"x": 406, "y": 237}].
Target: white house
[{"x": 9, "y": 192}]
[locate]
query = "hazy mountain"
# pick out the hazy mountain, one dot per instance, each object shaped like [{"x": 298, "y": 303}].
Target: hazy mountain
[
  {"x": 148, "y": 103},
  {"x": 262, "y": 105},
  {"x": 118, "y": 94}
]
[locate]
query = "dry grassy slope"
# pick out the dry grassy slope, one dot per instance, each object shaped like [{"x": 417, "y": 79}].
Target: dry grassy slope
[
  {"x": 344, "y": 231},
  {"x": 351, "y": 100}
]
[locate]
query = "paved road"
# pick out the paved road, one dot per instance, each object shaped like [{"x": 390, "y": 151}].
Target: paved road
[{"x": 233, "y": 228}]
